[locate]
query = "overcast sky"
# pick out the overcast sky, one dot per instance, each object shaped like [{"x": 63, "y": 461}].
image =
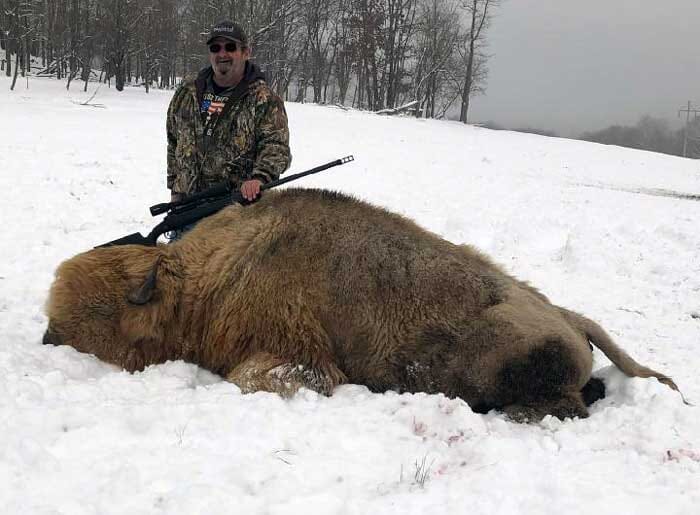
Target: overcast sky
[{"x": 574, "y": 65}]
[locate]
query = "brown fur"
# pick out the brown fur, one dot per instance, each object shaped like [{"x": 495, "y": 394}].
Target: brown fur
[{"x": 312, "y": 288}]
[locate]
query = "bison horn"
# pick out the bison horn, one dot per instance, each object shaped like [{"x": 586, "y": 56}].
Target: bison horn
[{"x": 144, "y": 293}]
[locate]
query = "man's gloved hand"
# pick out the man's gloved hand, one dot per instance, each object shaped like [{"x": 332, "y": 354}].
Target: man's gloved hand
[{"x": 251, "y": 189}]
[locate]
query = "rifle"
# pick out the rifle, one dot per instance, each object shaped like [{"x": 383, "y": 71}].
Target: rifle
[{"x": 193, "y": 208}]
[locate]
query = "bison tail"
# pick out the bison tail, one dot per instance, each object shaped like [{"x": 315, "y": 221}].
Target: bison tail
[{"x": 598, "y": 337}]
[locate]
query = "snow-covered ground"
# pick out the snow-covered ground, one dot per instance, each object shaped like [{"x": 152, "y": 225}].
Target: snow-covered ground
[{"x": 78, "y": 436}]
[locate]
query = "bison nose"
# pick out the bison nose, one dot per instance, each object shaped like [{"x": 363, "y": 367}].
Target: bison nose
[{"x": 51, "y": 339}]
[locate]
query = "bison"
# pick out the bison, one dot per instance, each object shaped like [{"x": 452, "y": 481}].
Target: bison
[{"x": 312, "y": 288}]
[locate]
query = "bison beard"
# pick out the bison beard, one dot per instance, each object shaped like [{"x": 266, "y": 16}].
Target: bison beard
[{"x": 310, "y": 288}]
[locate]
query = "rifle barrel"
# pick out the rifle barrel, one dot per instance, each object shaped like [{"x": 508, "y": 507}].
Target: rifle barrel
[{"x": 299, "y": 175}]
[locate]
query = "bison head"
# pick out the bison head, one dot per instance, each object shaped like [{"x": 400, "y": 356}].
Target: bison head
[{"x": 110, "y": 302}]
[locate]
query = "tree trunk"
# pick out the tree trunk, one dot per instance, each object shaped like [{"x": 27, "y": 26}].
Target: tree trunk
[
  {"x": 8, "y": 59},
  {"x": 466, "y": 92},
  {"x": 119, "y": 78},
  {"x": 14, "y": 77}
]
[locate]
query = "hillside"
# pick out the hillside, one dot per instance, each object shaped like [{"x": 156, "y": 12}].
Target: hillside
[{"x": 602, "y": 230}]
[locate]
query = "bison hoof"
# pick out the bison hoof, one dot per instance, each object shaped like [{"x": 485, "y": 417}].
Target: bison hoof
[
  {"x": 267, "y": 373},
  {"x": 593, "y": 391},
  {"x": 566, "y": 407}
]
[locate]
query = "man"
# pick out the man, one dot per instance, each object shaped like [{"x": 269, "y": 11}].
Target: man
[{"x": 226, "y": 124}]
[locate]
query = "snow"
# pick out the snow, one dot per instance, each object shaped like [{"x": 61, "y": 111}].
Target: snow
[{"x": 82, "y": 437}]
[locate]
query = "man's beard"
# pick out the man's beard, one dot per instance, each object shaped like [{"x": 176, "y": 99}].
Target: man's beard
[{"x": 224, "y": 68}]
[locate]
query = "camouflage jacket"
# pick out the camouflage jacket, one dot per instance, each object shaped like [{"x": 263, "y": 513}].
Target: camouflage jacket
[{"x": 250, "y": 139}]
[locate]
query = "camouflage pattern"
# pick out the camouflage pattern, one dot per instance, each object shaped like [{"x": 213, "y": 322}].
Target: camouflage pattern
[{"x": 251, "y": 140}]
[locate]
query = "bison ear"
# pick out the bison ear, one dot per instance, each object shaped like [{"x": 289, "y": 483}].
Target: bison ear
[{"x": 144, "y": 293}]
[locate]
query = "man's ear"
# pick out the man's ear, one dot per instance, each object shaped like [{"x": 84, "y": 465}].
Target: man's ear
[{"x": 144, "y": 293}]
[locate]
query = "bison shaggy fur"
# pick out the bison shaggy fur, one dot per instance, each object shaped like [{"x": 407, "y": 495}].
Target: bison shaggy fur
[{"x": 311, "y": 288}]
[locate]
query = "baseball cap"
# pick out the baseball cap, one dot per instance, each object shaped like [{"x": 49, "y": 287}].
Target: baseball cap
[{"x": 229, "y": 30}]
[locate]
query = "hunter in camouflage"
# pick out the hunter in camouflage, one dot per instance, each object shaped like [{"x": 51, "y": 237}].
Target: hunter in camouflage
[{"x": 223, "y": 128}]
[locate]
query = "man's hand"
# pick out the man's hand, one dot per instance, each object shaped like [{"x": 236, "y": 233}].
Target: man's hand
[{"x": 251, "y": 189}]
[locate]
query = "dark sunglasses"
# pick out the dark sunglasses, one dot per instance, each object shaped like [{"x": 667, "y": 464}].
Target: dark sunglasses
[{"x": 229, "y": 47}]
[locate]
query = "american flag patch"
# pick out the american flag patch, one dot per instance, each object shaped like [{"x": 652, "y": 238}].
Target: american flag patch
[{"x": 215, "y": 107}]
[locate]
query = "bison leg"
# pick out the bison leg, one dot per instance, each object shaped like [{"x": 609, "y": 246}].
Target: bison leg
[
  {"x": 266, "y": 372},
  {"x": 568, "y": 406},
  {"x": 593, "y": 391},
  {"x": 544, "y": 381}
]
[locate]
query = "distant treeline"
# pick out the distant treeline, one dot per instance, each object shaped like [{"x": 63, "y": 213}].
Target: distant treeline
[
  {"x": 649, "y": 133},
  {"x": 422, "y": 56}
]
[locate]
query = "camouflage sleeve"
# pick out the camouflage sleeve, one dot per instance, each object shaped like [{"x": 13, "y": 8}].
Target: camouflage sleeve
[
  {"x": 271, "y": 138},
  {"x": 171, "y": 131}
]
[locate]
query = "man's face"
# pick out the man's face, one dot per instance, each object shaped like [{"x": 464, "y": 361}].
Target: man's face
[{"x": 229, "y": 60}]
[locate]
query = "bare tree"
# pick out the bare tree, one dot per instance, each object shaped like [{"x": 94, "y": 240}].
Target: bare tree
[
  {"x": 438, "y": 33},
  {"x": 20, "y": 17},
  {"x": 318, "y": 28},
  {"x": 78, "y": 41},
  {"x": 367, "y": 21},
  {"x": 399, "y": 32},
  {"x": 478, "y": 13},
  {"x": 343, "y": 48},
  {"x": 276, "y": 39},
  {"x": 118, "y": 21},
  {"x": 9, "y": 27}
]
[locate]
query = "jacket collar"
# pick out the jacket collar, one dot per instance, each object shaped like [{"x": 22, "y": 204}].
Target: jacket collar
[{"x": 251, "y": 74}]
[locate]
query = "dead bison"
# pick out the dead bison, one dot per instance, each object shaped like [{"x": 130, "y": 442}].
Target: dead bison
[{"x": 310, "y": 288}]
